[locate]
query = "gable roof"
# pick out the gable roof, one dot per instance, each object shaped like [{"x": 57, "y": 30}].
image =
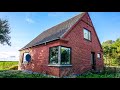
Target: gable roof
[{"x": 55, "y": 32}]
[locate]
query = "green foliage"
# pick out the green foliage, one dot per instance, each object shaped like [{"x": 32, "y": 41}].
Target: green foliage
[
  {"x": 4, "y": 65},
  {"x": 111, "y": 50},
  {"x": 117, "y": 60},
  {"x": 93, "y": 75},
  {"x": 108, "y": 72},
  {"x": 4, "y": 32},
  {"x": 20, "y": 74}
]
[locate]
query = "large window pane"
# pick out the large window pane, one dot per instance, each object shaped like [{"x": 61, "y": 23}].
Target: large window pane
[
  {"x": 87, "y": 34},
  {"x": 65, "y": 55},
  {"x": 54, "y": 55},
  {"x": 59, "y": 55}
]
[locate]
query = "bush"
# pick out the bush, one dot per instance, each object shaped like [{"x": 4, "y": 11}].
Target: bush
[
  {"x": 15, "y": 67},
  {"x": 117, "y": 60},
  {"x": 110, "y": 70}
]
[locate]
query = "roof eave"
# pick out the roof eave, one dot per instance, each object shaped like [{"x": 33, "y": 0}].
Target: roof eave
[{"x": 40, "y": 44}]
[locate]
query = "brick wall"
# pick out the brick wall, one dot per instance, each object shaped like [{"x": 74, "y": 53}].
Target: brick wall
[
  {"x": 81, "y": 48},
  {"x": 80, "y": 56},
  {"x": 40, "y": 59}
]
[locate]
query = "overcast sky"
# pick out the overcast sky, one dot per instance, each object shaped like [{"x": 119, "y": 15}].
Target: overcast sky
[{"x": 25, "y": 26}]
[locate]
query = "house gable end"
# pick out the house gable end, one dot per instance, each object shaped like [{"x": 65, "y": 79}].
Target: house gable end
[{"x": 86, "y": 19}]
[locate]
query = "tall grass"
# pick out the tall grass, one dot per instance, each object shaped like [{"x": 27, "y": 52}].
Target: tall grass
[
  {"x": 20, "y": 74},
  {"x": 5, "y": 65},
  {"x": 108, "y": 72}
]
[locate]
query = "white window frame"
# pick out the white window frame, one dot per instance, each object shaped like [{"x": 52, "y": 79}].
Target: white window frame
[
  {"x": 24, "y": 61},
  {"x": 59, "y": 58},
  {"x": 99, "y": 55},
  {"x": 88, "y": 34}
]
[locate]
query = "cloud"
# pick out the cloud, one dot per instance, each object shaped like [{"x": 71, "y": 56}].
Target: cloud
[
  {"x": 56, "y": 14},
  {"x": 7, "y": 54},
  {"x": 29, "y": 18}
]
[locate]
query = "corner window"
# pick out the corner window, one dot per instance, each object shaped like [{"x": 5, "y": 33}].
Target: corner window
[
  {"x": 26, "y": 58},
  {"x": 87, "y": 34},
  {"x": 65, "y": 55},
  {"x": 98, "y": 55},
  {"x": 54, "y": 55},
  {"x": 59, "y": 56}
]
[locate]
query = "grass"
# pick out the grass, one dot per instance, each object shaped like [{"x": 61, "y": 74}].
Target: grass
[
  {"x": 20, "y": 74},
  {"x": 8, "y": 69},
  {"x": 5, "y": 65},
  {"x": 100, "y": 75},
  {"x": 109, "y": 72}
]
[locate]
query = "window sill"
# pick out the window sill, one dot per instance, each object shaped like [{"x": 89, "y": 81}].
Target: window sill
[
  {"x": 87, "y": 40},
  {"x": 59, "y": 65},
  {"x": 24, "y": 63}
]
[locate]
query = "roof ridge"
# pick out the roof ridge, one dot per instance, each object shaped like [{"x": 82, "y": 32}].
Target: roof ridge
[
  {"x": 60, "y": 29},
  {"x": 62, "y": 22}
]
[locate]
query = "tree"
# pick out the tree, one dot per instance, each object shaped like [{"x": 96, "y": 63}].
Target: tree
[
  {"x": 108, "y": 42},
  {"x": 4, "y": 32},
  {"x": 111, "y": 51},
  {"x": 117, "y": 44},
  {"x": 107, "y": 48}
]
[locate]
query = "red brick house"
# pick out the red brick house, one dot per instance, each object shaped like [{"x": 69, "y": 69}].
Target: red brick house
[{"x": 71, "y": 47}]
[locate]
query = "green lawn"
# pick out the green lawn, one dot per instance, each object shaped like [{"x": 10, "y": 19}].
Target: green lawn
[
  {"x": 7, "y": 70},
  {"x": 20, "y": 74},
  {"x": 109, "y": 72},
  {"x": 99, "y": 75},
  {"x": 5, "y": 65}
]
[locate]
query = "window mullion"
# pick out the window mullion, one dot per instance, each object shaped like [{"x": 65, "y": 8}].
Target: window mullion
[
  {"x": 88, "y": 35},
  {"x": 59, "y": 55}
]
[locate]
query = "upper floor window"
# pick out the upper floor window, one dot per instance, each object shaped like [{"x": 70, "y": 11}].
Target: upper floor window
[{"x": 87, "y": 34}]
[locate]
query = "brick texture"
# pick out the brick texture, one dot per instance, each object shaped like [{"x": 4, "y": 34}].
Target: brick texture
[{"x": 80, "y": 54}]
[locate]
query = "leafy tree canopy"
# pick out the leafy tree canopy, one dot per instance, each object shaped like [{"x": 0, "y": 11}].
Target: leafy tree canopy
[
  {"x": 111, "y": 50},
  {"x": 4, "y": 32}
]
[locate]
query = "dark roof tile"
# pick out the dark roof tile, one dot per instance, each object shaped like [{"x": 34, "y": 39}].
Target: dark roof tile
[{"x": 54, "y": 33}]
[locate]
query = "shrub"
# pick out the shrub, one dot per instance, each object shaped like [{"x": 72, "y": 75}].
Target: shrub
[{"x": 117, "y": 60}]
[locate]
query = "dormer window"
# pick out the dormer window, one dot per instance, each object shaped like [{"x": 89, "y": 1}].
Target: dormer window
[{"x": 87, "y": 34}]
